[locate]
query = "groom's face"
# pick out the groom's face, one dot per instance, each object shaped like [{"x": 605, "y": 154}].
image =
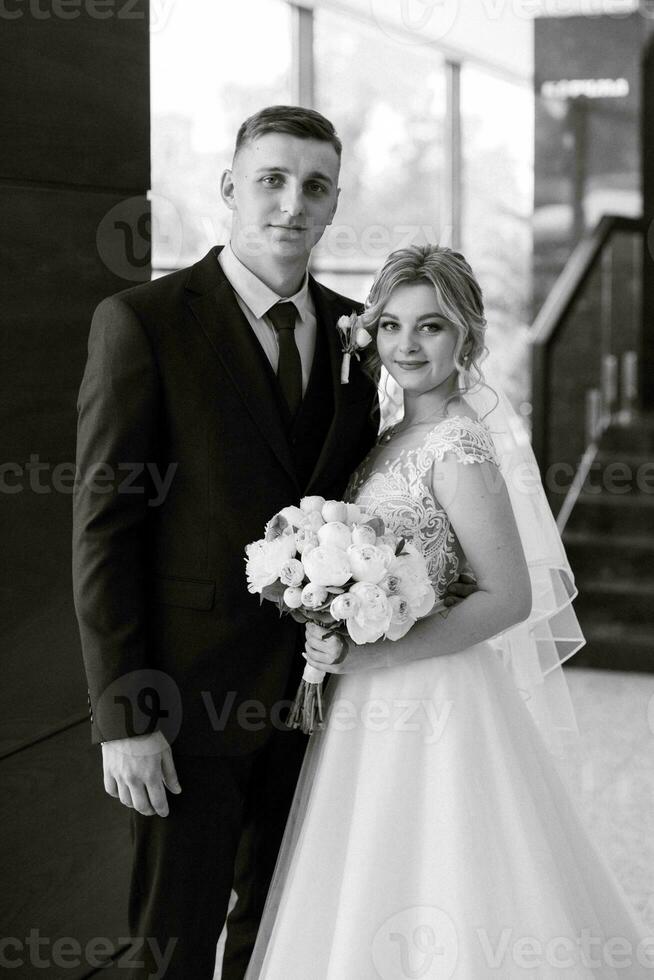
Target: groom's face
[{"x": 283, "y": 193}]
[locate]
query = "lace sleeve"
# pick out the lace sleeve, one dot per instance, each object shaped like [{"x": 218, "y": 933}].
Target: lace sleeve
[{"x": 468, "y": 439}]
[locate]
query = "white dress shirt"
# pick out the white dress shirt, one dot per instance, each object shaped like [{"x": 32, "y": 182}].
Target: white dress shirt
[{"x": 255, "y": 299}]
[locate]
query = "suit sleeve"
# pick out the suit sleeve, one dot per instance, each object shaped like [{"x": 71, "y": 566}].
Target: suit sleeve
[{"x": 118, "y": 408}]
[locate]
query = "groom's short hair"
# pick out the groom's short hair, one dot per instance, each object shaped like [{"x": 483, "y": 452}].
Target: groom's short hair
[{"x": 290, "y": 119}]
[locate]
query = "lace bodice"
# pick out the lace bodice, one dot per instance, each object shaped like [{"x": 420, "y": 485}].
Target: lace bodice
[{"x": 396, "y": 485}]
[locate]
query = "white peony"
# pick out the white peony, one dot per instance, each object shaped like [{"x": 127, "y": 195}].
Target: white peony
[
  {"x": 363, "y": 534},
  {"x": 314, "y": 596},
  {"x": 292, "y": 573},
  {"x": 334, "y": 510},
  {"x": 293, "y": 515},
  {"x": 373, "y": 617},
  {"x": 305, "y": 540},
  {"x": 344, "y": 606},
  {"x": 265, "y": 560},
  {"x": 335, "y": 535},
  {"x": 354, "y": 514},
  {"x": 311, "y": 505},
  {"x": 327, "y": 566},
  {"x": 293, "y": 598},
  {"x": 401, "y": 618},
  {"x": 414, "y": 584},
  {"x": 368, "y": 563},
  {"x": 313, "y": 520}
]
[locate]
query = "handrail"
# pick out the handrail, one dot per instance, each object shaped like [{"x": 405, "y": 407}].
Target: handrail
[
  {"x": 577, "y": 270},
  {"x": 551, "y": 317}
]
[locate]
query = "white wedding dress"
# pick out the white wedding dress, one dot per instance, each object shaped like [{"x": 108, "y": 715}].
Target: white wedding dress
[{"x": 431, "y": 835}]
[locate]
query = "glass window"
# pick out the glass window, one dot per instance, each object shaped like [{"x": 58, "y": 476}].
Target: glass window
[
  {"x": 497, "y": 177},
  {"x": 387, "y": 101},
  {"x": 204, "y": 83}
]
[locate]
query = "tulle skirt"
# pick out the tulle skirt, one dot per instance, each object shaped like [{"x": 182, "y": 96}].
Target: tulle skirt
[{"x": 431, "y": 836}]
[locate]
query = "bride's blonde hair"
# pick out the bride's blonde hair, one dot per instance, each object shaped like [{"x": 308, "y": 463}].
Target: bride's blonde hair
[{"x": 459, "y": 297}]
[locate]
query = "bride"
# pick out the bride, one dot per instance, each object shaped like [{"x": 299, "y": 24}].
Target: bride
[{"x": 431, "y": 834}]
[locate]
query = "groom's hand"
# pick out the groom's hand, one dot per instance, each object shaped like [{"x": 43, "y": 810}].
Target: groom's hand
[
  {"x": 138, "y": 770},
  {"x": 464, "y": 586}
]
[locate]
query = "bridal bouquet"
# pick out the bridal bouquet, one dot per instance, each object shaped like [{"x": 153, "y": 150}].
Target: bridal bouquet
[{"x": 326, "y": 562}]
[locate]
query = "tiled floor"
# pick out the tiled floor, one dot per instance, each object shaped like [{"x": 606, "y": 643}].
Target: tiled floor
[{"x": 615, "y": 712}]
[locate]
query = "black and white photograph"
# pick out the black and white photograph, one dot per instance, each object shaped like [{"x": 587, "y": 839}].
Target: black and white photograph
[{"x": 327, "y": 489}]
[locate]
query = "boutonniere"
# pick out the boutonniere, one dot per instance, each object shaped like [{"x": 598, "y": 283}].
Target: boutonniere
[{"x": 354, "y": 338}]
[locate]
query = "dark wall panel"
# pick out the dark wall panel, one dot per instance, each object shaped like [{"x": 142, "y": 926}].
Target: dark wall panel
[
  {"x": 61, "y": 250},
  {"x": 74, "y": 175},
  {"x": 73, "y": 101}
]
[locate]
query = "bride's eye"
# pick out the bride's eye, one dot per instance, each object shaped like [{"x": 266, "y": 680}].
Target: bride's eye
[
  {"x": 387, "y": 325},
  {"x": 431, "y": 328}
]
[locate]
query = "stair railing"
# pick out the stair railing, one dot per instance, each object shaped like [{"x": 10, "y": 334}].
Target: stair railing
[{"x": 584, "y": 356}]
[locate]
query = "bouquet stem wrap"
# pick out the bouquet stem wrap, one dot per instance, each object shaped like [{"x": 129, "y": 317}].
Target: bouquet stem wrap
[{"x": 306, "y": 711}]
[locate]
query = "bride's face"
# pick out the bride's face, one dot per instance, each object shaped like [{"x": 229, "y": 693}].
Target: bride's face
[{"x": 415, "y": 341}]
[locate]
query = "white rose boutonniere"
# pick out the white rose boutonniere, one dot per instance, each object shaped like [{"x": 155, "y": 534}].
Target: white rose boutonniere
[{"x": 354, "y": 338}]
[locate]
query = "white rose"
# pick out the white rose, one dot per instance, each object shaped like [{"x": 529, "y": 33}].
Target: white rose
[
  {"x": 336, "y": 535},
  {"x": 311, "y": 505},
  {"x": 334, "y": 510},
  {"x": 363, "y": 534},
  {"x": 368, "y": 563},
  {"x": 314, "y": 596},
  {"x": 327, "y": 566},
  {"x": 345, "y": 605},
  {"x": 374, "y": 615},
  {"x": 293, "y": 598},
  {"x": 292, "y": 573},
  {"x": 265, "y": 559}
]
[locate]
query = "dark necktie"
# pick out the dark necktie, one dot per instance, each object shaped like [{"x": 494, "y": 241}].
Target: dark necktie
[{"x": 289, "y": 367}]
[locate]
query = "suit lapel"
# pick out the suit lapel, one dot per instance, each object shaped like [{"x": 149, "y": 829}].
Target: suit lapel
[
  {"x": 327, "y": 313},
  {"x": 214, "y": 305}
]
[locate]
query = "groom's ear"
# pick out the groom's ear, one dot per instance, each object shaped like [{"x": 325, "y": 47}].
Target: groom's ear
[
  {"x": 227, "y": 189},
  {"x": 333, "y": 211}
]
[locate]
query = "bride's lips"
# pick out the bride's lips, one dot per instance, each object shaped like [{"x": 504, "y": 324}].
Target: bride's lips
[{"x": 411, "y": 365}]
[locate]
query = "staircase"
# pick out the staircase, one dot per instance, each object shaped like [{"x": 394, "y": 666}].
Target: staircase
[{"x": 609, "y": 540}]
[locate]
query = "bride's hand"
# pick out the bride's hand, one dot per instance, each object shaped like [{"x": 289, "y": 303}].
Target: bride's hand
[{"x": 327, "y": 653}]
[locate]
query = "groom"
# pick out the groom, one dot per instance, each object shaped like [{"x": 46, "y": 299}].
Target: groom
[
  {"x": 219, "y": 383},
  {"x": 211, "y": 399}
]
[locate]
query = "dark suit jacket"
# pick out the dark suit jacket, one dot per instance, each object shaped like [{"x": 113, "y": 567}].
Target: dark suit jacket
[{"x": 171, "y": 638}]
